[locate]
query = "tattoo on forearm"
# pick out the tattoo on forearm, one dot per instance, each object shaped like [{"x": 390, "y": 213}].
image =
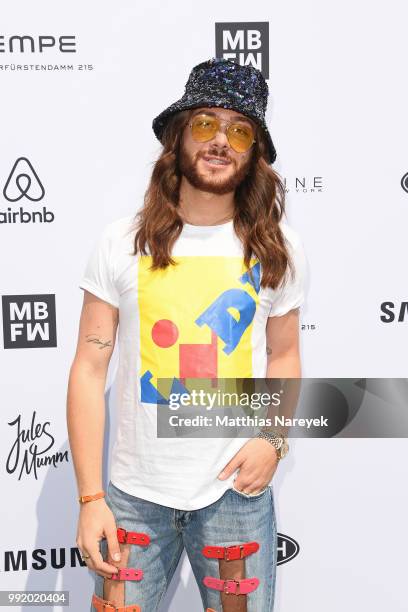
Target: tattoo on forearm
[{"x": 96, "y": 340}]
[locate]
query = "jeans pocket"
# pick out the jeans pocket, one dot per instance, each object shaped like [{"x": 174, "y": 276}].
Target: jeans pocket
[{"x": 249, "y": 495}]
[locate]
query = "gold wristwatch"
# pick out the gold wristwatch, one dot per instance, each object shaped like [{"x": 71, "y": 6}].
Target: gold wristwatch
[{"x": 277, "y": 440}]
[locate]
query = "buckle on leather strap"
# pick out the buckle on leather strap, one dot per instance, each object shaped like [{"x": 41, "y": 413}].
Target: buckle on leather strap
[
  {"x": 232, "y": 586},
  {"x": 230, "y": 552},
  {"x": 104, "y": 605},
  {"x": 228, "y": 586}
]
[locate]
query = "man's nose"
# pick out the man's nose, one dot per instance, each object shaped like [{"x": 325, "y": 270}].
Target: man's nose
[{"x": 220, "y": 139}]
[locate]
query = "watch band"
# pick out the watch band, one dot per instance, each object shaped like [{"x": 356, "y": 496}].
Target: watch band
[
  {"x": 83, "y": 499},
  {"x": 277, "y": 440}
]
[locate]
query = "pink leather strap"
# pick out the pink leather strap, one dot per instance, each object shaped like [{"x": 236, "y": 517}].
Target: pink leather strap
[
  {"x": 128, "y": 573},
  {"x": 230, "y": 553},
  {"x": 103, "y": 605},
  {"x": 132, "y": 537},
  {"x": 235, "y": 587}
]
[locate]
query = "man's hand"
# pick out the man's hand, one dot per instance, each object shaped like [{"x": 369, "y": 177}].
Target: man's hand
[
  {"x": 96, "y": 521},
  {"x": 257, "y": 460}
]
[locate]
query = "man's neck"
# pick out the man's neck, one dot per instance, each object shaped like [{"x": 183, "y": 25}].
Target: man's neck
[{"x": 203, "y": 208}]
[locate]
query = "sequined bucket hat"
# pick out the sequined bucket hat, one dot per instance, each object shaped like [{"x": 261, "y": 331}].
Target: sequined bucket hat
[{"x": 224, "y": 83}]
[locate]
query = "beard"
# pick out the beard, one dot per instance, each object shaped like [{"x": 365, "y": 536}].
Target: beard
[{"x": 211, "y": 183}]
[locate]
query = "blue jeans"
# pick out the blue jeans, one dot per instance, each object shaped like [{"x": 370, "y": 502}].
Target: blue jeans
[{"x": 233, "y": 519}]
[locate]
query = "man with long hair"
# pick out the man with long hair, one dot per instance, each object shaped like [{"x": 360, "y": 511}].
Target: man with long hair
[{"x": 205, "y": 282}]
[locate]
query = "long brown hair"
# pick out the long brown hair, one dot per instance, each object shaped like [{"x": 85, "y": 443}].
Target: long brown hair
[{"x": 259, "y": 207}]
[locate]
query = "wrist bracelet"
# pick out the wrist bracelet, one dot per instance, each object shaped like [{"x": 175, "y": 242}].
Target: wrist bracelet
[{"x": 83, "y": 499}]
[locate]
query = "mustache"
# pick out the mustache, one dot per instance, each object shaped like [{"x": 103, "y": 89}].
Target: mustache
[{"x": 220, "y": 154}]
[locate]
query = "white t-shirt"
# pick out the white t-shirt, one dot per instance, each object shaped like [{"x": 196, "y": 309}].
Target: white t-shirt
[{"x": 200, "y": 318}]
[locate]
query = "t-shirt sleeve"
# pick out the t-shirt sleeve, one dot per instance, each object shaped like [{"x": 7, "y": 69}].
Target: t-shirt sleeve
[
  {"x": 292, "y": 294},
  {"x": 98, "y": 277}
]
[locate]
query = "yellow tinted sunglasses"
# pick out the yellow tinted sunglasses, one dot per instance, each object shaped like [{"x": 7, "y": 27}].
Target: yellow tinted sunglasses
[{"x": 240, "y": 135}]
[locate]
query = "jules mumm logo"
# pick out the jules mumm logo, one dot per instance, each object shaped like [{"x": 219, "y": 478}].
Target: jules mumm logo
[
  {"x": 247, "y": 43},
  {"x": 29, "y": 321}
]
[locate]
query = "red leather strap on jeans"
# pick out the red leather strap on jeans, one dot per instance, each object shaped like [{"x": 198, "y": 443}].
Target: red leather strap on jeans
[
  {"x": 230, "y": 553},
  {"x": 132, "y": 537},
  {"x": 128, "y": 573},
  {"x": 235, "y": 587},
  {"x": 103, "y": 605}
]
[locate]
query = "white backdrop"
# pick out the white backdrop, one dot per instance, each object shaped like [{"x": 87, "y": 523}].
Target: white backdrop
[{"x": 337, "y": 114}]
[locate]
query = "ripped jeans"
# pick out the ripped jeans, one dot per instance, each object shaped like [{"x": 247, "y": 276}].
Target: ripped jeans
[{"x": 244, "y": 576}]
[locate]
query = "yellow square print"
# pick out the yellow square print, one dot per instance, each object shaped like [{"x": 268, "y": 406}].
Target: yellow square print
[{"x": 196, "y": 319}]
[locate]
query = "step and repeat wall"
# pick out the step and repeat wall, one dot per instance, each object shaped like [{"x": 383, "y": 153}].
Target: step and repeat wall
[{"x": 80, "y": 84}]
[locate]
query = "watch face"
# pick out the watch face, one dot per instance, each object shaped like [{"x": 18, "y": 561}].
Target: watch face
[
  {"x": 279, "y": 442},
  {"x": 284, "y": 449}
]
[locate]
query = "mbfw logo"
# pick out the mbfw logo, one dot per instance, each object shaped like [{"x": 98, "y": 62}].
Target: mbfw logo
[
  {"x": 29, "y": 321},
  {"x": 245, "y": 43},
  {"x": 33, "y": 44},
  {"x": 394, "y": 312},
  {"x": 23, "y": 182}
]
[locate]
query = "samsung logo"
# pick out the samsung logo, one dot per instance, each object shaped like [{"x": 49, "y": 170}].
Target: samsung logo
[
  {"x": 394, "y": 312},
  {"x": 40, "y": 559}
]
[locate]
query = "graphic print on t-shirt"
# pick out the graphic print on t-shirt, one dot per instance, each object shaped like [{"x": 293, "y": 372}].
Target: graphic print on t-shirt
[{"x": 196, "y": 320}]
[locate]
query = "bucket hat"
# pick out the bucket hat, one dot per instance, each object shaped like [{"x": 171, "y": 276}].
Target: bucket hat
[{"x": 225, "y": 83}]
